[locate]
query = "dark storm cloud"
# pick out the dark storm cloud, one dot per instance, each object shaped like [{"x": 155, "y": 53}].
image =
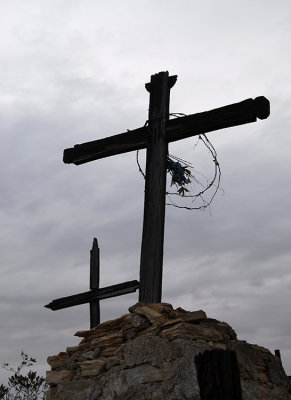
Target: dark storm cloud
[{"x": 75, "y": 72}]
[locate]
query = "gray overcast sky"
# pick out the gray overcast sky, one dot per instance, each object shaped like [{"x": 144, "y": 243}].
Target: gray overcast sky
[{"x": 73, "y": 71}]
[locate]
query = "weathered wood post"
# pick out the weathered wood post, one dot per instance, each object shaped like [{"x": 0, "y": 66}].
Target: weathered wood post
[
  {"x": 218, "y": 375},
  {"x": 151, "y": 264},
  {"x": 94, "y": 283}
]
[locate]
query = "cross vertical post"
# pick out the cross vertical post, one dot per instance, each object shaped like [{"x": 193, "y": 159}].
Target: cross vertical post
[
  {"x": 94, "y": 283},
  {"x": 151, "y": 261}
]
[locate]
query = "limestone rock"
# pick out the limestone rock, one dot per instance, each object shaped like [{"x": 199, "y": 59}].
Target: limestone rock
[
  {"x": 89, "y": 355},
  {"x": 138, "y": 321},
  {"x": 75, "y": 390},
  {"x": 206, "y": 330},
  {"x": 111, "y": 351},
  {"x": 194, "y": 316},
  {"x": 56, "y": 377},
  {"x": 151, "y": 314},
  {"x": 149, "y": 354},
  {"x": 111, "y": 361},
  {"x": 57, "y": 362},
  {"x": 149, "y": 350},
  {"x": 109, "y": 340},
  {"x": 144, "y": 373},
  {"x": 92, "y": 367}
]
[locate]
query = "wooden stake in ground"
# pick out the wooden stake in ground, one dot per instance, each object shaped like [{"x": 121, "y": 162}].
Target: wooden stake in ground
[
  {"x": 155, "y": 138},
  {"x": 218, "y": 375}
]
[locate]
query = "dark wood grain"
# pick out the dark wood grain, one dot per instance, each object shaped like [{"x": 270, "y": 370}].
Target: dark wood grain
[
  {"x": 218, "y": 375},
  {"x": 96, "y": 149},
  {"x": 93, "y": 295},
  {"x": 151, "y": 262},
  {"x": 244, "y": 112},
  {"x": 241, "y": 113},
  {"x": 94, "y": 283}
]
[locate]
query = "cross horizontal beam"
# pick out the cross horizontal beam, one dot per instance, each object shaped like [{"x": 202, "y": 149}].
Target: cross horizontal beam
[
  {"x": 93, "y": 295},
  {"x": 240, "y": 113}
]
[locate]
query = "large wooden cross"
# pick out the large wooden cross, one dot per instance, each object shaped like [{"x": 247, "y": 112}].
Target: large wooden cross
[{"x": 155, "y": 138}]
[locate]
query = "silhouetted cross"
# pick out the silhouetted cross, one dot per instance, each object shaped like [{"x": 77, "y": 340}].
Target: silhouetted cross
[
  {"x": 95, "y": 294},
  {"x": 155, "y": 139}
]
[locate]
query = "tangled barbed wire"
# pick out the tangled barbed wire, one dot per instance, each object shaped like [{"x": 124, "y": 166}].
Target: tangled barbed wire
[{"x": 191, "y": 186}]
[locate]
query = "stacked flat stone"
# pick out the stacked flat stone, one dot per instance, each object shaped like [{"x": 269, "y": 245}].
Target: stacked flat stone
[{"x": 149, "y": 354}]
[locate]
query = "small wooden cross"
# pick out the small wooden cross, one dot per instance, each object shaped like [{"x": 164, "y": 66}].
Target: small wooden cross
[
  {"x": 95, "y": 294},
  {"x": 155, "y": 138}
]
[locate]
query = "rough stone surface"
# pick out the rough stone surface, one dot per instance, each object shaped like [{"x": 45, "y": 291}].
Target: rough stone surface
[
  {"x": 61, "y": 376},
  {"x": 149, "y": 354}
]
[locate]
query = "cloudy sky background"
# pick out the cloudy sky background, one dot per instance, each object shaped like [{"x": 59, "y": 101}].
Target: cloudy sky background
[{"x": 73, "y": 71}]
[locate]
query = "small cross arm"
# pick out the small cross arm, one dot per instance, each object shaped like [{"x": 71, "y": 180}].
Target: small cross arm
[{"x": 93, "y": 295}]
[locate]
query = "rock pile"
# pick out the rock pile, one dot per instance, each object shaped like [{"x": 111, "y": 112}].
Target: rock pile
[{"x": 149, "y": 354}]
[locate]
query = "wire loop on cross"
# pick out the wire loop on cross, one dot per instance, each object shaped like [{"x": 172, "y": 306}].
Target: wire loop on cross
[{"x": 184, "y": 179}]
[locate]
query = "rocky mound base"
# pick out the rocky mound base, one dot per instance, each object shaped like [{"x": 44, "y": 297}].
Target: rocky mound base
[{"x": 149, "y": 354}]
